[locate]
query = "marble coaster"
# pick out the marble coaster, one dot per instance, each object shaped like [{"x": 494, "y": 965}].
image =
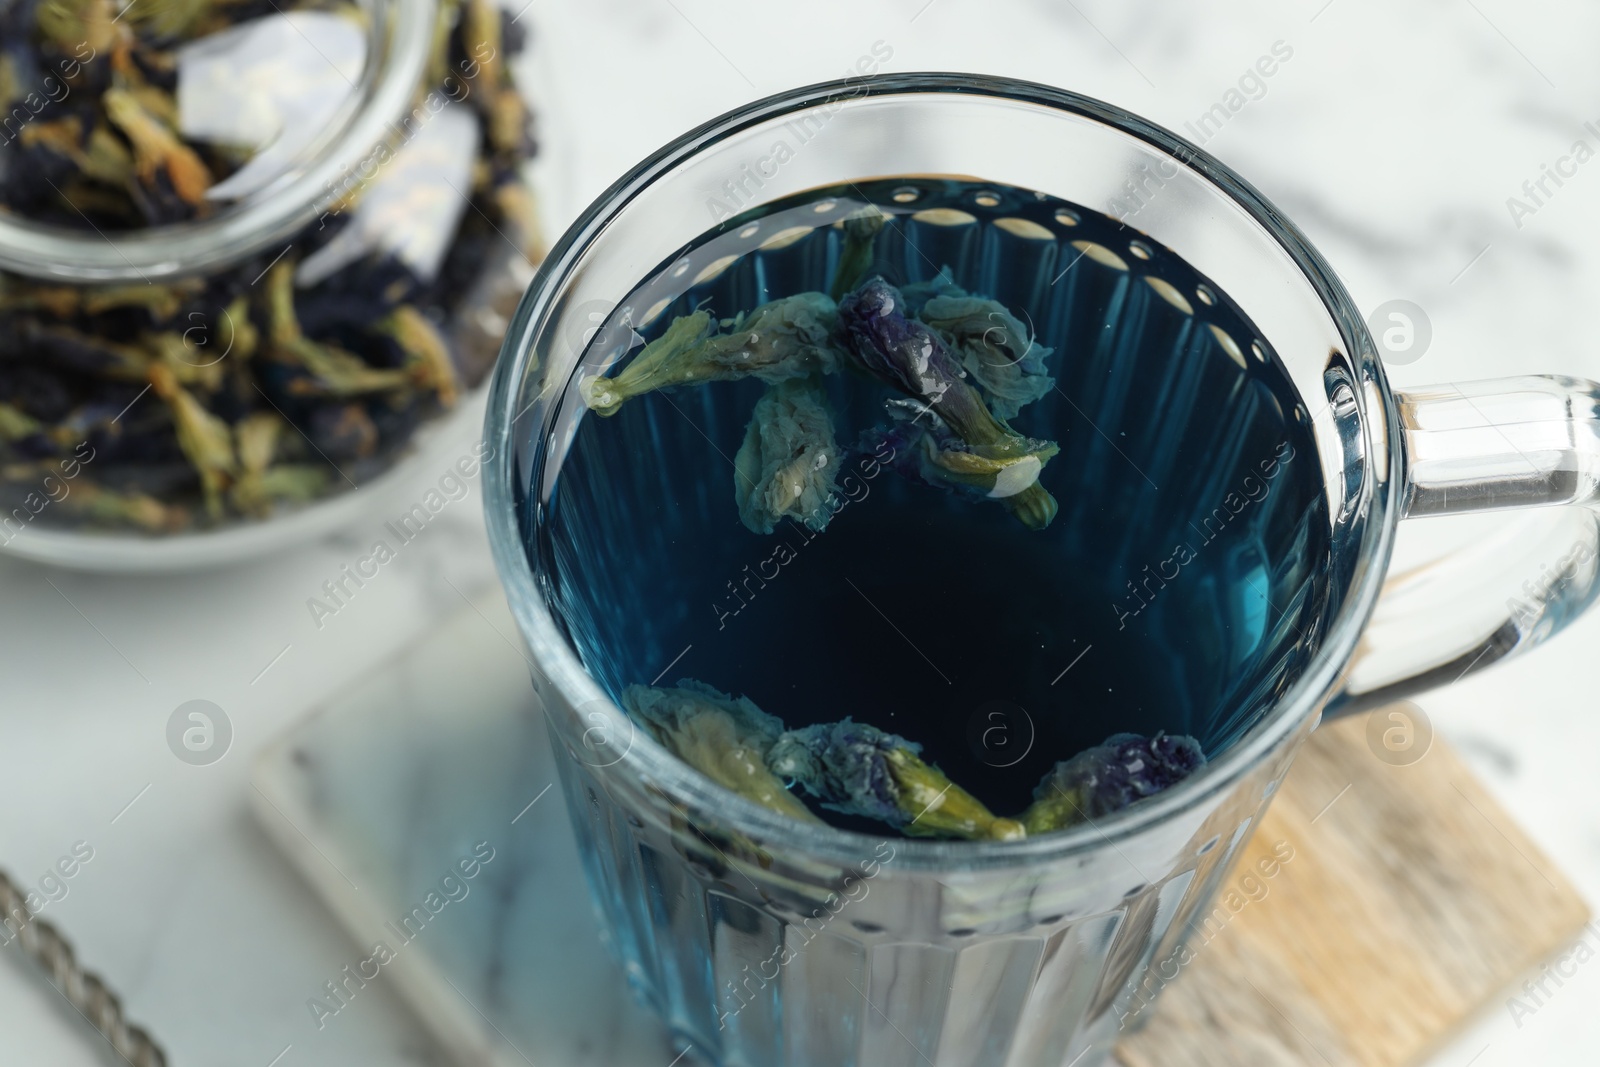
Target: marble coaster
[{"x": 422, "y": 806}]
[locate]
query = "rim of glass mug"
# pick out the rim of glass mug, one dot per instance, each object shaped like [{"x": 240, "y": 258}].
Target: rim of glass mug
[
  {"x": 1371, "y": 510},
  {"x": 398, "y": 43}
]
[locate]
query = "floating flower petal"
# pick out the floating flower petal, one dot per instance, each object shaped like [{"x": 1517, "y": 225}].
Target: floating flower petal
[
  {"x": 857, "y": 769},
  {"x": 787, "y": 338},
  {"x": 926, "y": 451},
  {"x": 912, "y": 358},
  {"x": 726, "y": 740},
  {"x": 1125, "y": 769},
  {"x": 787, "y": 464},
  {"x": 995, "y": 348}
]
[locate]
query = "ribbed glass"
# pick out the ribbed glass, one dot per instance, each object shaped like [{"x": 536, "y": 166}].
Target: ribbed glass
[
  {"x": 756, "y": 956},
  {"x": 761, "y": 957},
  {"x": 765, "y": 942}
]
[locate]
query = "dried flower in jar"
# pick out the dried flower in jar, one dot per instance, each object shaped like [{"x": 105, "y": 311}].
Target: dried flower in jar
[{"x": 260, "y": 387}]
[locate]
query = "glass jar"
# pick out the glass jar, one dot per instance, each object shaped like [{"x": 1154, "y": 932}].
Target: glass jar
[{"x": 273, "y": 259}]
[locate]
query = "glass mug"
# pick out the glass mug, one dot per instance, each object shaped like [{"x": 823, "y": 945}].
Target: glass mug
[{"x": 765, "y": 942}]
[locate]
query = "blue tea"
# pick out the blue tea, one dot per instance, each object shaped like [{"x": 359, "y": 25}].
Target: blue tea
[{"x": 911, "y": 490}]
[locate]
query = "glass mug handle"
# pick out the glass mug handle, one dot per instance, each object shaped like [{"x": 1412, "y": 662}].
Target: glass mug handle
[{"x": 1503, "y": 443}]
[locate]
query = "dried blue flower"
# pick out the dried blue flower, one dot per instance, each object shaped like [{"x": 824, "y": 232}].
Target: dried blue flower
[
  {"x": 168, "y": 20},
  {"x": 908, "y": 356},
  {"x": 262, "y": 483},
  {"x": 1000, "y": 353},
  {"x": 26, "y": 433},
  {"x": 72, "y": 24},
  {"x": 918, "y": 294},
  {"x": 787, "y": 464},
  {"x": 994, "y": 347},
  {"x": 340, "y": 431},
  {"x": 662, "y": 363},
  {"x": 726, "y": 740},
  {"x": 1125, "y": 769},
  {"x": 99, "y": 506},
  {"x": 861, "y": 231},
  {"x": 172, "y": 178},
  {"x": 857, "y": 769},
  {"x": 330, "y": 370},
  {"x": 427, "y": 352},
  {"x": 925, "y": 451},
  {"x": 912, "y": 358},
  {"x": 787, "y": 338}
]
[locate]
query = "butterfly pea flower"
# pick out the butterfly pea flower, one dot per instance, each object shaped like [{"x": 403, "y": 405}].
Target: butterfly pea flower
[
  {"x": 164, "y": 166},
  {"x": 64, "y": 139},
  {"x": 329, "y": 370},
  {"x": 861, "y": 231},
  {"x": 26, "y": 433},
  {"x": 105, "y": 158},
  {"x": 43, "y": 158},
  {"x": 158, "y": 103},
  {"x": 661, "y": 363},
  {"x": 257, "y": 437},
  {"x": 918, "y": 294},
  {"x": 994, "y": 347},
  {"x": 291, "y": 483},
  {"x": 480, "y": 34},
  {"x": 61, "y": 301},
  {"x": 508, "y": 122},
  {"x": 206, "y": 440},
  {"x": 343, "y": 431},
  {"x": 72, "y": 24},
  {"x": 69, "y": 349},
  {"x": 789, "y": 460},
  {"x": 104, "y": 149},
  {"x": 262, "y": 482},
  {"x": 519, "y": 214},
  {"x": 427, "y": 354},
  {"x": 787, "y": 338},
  {"x": 180, "y": 356},
  {"x": 168, "y": 20},
  {"x": 726, "y": 740},
  {"x": 121, "y": 508},
  {"x": 239, "y": 335},
  {"x": 487, "y": 34},
  {"x": 163, "y": 302},
  {"x": 909, "y": 356},
  {"x": 857, "y": 769},
  {"x": 926, "y": 452},
  {"x": 1126, "y": 768}
]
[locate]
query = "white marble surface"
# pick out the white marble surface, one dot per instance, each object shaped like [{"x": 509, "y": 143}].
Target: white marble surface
[
  {"x": 1394, "y": 136},
  {"x": 440, "y": 764}
]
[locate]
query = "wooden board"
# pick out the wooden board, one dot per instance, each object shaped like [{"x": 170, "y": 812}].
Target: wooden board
[{"x": 1410, "y": 902}]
